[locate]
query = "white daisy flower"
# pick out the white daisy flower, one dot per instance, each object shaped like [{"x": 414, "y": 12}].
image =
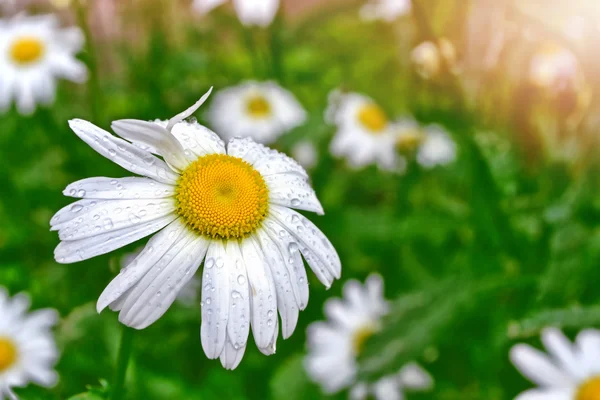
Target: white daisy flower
[
  {"x": 262, "y": 111},
  {"x": 387, "y": 10},
  {"x": 428, "y": 58},
  {"x": 334, "y": 346},
  {"x": 35, "y": 52},
  {"x": 250, "y": 12},
  {"x": 27, "y": 349},
  {"x": 364, "y": 135},
  {"x": 568, "y": 372},
  {"x": 437, "y": 148},
  {"x": 305, "y": 153},
  {"x": 230, "y": 207}
]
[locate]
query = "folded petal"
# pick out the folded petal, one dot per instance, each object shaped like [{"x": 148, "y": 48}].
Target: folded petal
[
  {"x": 119, "y": 188},
  {"x": 293, "y": 191}
]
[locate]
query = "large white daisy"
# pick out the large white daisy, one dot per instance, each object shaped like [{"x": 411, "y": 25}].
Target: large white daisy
[
  {"x": 230, "y": 207},
  {"x": 568, "y": 372},
  {"x": 249, "y": 12},
  {"x": 262, "y": 111},
  {"x": 386, "y": 10},
  {"x": 364, "y": 134},
  {"x": 34, "y": 52},
  {"x": 333, "y": 346},
  {"x": 27, "y": 348}
]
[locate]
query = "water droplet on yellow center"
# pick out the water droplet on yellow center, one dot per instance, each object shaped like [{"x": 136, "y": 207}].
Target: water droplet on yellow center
[
  {"x": 27, "y": 50},
  {"x": 372, "y": 117},
  {"x": 222, "y": 197},
  {"x": 8, "y": 353},
  {"x": 360, "y": 337},
  {"x": 409, "y": 140},
  {"x": 258, "y": 107},
  {"x": 590, "y": 390}
]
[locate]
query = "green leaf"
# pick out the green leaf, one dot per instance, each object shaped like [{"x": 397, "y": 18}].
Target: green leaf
[
  {"x": 573, "y": 317},
  {"x": 291, "y": 383}
]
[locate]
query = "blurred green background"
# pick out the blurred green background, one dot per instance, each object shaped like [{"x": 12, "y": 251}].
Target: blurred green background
[{"x": 495, "y": 246}]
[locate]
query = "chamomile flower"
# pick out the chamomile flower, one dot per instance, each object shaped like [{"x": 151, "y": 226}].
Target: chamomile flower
[
  {"x": 436, "y": 149},
  {"x": 249, "y": 12},
  {"x": 262, "y": 111},
  {"x": 305, "y": 153},
  {"x": 334, "y": 346},
  {"x": 34, "y": 53},
  {"x": 229, "y": 206},
  {"x": 571, "y": 371},
  {"x": 27, "y": 348},
  {"x": 387, "y": 10},
  {"x": 364, "y": 134}
]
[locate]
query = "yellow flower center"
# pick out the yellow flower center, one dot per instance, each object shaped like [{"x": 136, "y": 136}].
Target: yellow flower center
[
  {"x": 409, "y": 140},
  {"x": 27, "y": 50},
  {"x": 258, "y": 107},
  {"x": 360, "y": 337},
  {"x": 222, "y": 197},
  {"x": 590, "y": 390},
  {"x": 8, "y": 353},
  {"x": 372, "y": 117}
]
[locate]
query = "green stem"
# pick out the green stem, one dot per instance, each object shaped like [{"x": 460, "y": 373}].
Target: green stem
[
  {"x": 276, "y": 47},
  {"x": 250, "y": 43},
  {"x": 125, "y": 350}
]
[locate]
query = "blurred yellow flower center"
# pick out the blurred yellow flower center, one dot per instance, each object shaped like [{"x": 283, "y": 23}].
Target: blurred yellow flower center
[
  {"x": 27, "y": 50},
  {"x": 590, "y": 390},
  {"x": 258, "y": 107},
  {"x": 372, "y": 117},
  {"x": 409, "y": 140},
  {"x": 8, "y": 353},
  {"x": 360, "y": 337},
  {"x": 222, "y": 197}
]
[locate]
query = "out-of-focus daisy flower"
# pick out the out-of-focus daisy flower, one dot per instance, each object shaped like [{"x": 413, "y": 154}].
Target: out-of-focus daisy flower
[
  {"x": 230, "y": 207},
  {"x": 305, "y": 153},
  {"x": 364, "y": 134},
  {"x": 437, "y": 148},
  {"x": 552, "y": 64},
  {"x": 387, "y": 10},
  {"x": 429, "y": 58},
  {"x": 568, "y": 372},
  {"x": 249, "y": 12},
  {"x": 27, "y": 348},
  {"x": 333, "y": 346},
  {"x": 262, "y": 111},
  {"x": 188, "y": 295},
  {"x": 35, "y": 52}
]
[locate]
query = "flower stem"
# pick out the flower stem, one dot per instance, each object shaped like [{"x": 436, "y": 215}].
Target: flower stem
[{"x": 125, "y": 349}]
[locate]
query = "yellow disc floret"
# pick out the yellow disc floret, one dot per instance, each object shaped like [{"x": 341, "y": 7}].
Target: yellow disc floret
[
  {"x": 372, "y": 117},
  {"x": 222, "y": 197},
  {"x": 360, "y": 336},
  {"x": 8, "y": 354},
  {"x": 590, "y": 390},
  {"x": 409, "y": 140},
  {"x": 258, "y": 107},
  {"x": 27, "y": 50}
]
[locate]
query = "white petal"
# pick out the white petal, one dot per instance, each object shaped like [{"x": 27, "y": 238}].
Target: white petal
[
  {"x": 537, "y": 367},
  {"x": 387, "y": 388},
  {"x": 588, "y": 342},
  {"x": 154, "y": 136},
  {"x": 238, "y": 326},
  {"x": 25, "y": 96},
  {"x": 68, "y": 67},
  {"x": 360, "y": 391},
  {"x": 232, "y": 356},
  {"x": 78, "y": 250},
  {"x": 295, "y": 266},
  {"x": 198, "y": 139},
  {"x": 215, "y": 300},
  {"x": 263, "y": 297},
  {"x": 315, "y": 247},
  {"x": 119, "y": 188},
  {"x": 413, "y": 376},
  {"x": 564, "y": 352},
  {"x": 152, "y": 254},
  {"x": 205, "y": 6},
  {"x": 547, "y": 394},
  {"x": 246, "y": 149},
  {"x": 112, "y": 215},
  {"x": 183, "y": 115},
  {"x": 286, "y": 301},
  {"x": 155, "y": 293},
  {"x": 123, "y": 153},
  {"x": 256, "y": 12},
  {"x": 290, "y": 190},
  {"x": 275, "y": 162}
]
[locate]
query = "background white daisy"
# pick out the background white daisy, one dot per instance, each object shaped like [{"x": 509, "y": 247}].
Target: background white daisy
[
  {"x": 262, "y": 111},
  {"x": 305, "y": 153},
  {"x": 387, "y": 10},
  {"x": 334, "y": 345},
  {"x": 27, "y": 348},
  {"x": 570, "y": 371},
  {"x": 249, "y": 12},
  {"x": 437, "y": 148},
  {"x": 34, "y": 53}
]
